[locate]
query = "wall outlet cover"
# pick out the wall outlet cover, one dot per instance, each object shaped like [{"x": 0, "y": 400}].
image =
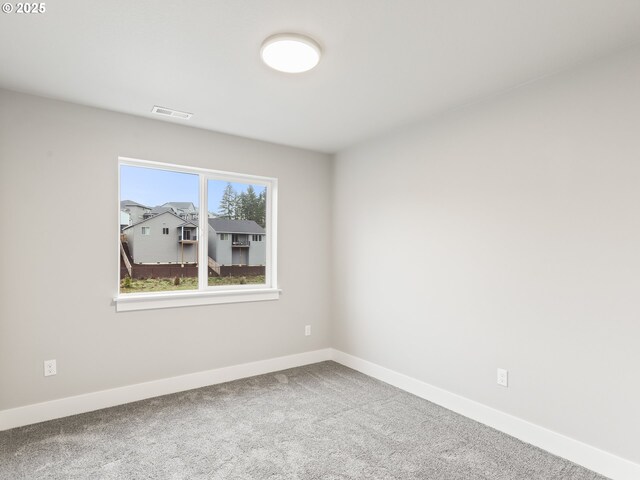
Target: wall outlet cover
[
  {"x": 503, "y": 377},
  {"x": 50, "y": 368}
]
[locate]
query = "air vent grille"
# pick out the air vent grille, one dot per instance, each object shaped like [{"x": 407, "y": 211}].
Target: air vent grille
[
  {"x": 168, "y": 112},
  {"x": 182, "y": 115}
]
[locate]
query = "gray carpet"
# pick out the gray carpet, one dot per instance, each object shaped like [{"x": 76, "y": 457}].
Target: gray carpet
[{"x": 322, "y": 421}]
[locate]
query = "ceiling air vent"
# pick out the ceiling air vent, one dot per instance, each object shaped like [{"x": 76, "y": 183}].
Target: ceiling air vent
[{"x": 167, "y": 112}]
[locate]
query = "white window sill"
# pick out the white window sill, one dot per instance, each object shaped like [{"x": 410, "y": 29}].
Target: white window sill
[{"x": 148, "y": 301}]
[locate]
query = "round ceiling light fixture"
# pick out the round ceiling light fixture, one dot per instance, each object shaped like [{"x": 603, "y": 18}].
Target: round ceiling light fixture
[{"x": 290, "y": 52}]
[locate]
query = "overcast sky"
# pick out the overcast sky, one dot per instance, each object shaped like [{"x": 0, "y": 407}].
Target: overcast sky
[{"x": 152, "y": 187}]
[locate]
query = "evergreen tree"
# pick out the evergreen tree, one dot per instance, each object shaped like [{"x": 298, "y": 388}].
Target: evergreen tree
[
  {"x": 228, "y": 203},
  {"x": 247, "y": 205},
  {"x": 262, "y": 208},
  {"x": 240, "y": 207},
  {"x": 250, "y": 204}
]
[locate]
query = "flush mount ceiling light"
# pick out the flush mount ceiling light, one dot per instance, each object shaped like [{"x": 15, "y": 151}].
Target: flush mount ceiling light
[{"x": 290, "y": 52}]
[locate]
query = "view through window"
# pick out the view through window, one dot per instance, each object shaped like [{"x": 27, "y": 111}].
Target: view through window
[
  {"x": 161, "y": 246},
  {"x": 237, "y": 213}
]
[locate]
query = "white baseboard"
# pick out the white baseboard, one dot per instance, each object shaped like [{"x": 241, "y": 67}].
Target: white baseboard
[
  {"x": 588, "y": 456},
  {"x": 63, "y": 407}
]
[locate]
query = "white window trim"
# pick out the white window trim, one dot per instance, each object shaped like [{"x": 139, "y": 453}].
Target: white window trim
[
  {"x": 207, "y": 295},
  {"x": 134, "y": 301}
]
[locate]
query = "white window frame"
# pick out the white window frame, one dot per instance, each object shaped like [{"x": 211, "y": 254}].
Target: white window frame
[
  {"x": 145, "y": 229},
  {"x": 206, "y": 295}
]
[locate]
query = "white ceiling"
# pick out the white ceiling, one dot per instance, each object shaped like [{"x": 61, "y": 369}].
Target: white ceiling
[{"x": 386, "y": 62}]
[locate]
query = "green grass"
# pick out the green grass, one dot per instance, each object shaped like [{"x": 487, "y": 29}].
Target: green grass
[
  {"x": 158, "y": 285},
  {"x": 236, "y": 280},
  {"x": 186, "y": 283}
]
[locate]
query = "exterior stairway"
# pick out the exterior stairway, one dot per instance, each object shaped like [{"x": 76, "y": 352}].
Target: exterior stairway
[
  {"x": 213, "y": 265},
  {"x": 125, "y": 260}
]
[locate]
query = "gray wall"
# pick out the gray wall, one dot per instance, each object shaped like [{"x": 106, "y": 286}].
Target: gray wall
[
  {"x": 524, "y": 215},
  {"x": 57, "y": 289},
  {"x": 524, "y": 210}
]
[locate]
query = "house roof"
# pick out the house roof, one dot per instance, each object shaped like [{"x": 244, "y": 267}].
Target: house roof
[
  {"x": 161, "y": 209},
  {"x": 181, "y": 205},
  {"x": 153, "y": 218},
  {"x": 131, "y": 202},
  {"x": 226, "y": 225},
  {"x": 185, "y": 224}
]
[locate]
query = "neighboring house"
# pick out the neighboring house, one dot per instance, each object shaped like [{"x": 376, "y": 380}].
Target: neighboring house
[
  {"x": 125, "y": 219},
  {"x": 164, "y": 238},
  {"x": 186, "y": 210},
  {"x": 237, "y": 242},
  {"x": 158, "y": 210},
  {"x": 135, "y": 210}
]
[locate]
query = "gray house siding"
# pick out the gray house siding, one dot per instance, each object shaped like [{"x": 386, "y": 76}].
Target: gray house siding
[
  {"x": 125, "y": 219},
  {"x": 258, "y": 251},
  {"x": 239, "y": 256},
  {"x": 131, "y": 239},
  {"x": 246, "y": 252},
  {"x": 212, "y": 243},
  {"x": 136, "y": 212},
  {"x": 219, "y": 250},
  {"x": 186, "y": 210},
  {"x": 159, "y": 247}
]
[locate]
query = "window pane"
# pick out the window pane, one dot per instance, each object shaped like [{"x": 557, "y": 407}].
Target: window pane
[
  {"x": 158, "y": 230},
  {"x": 237, "y": 215}
]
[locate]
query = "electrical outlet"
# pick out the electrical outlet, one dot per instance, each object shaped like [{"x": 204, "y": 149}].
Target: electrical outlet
[
  {"x": 50, "y": 368},
  {"x": 503, "y": 377},
  {"x": 307, "y": 330}
]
